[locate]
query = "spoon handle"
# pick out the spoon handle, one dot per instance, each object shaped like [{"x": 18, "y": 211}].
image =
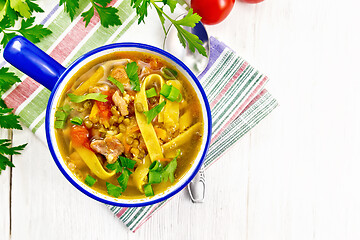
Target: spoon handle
[{"x": 197, "y": 187}]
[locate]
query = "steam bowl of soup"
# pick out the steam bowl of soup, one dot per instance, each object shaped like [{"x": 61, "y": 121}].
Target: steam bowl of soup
[{"x": 127, "y": 124}]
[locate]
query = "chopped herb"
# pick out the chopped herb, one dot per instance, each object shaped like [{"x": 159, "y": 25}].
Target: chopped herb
[
  {"x": 117, "y": 83},
  {"x": 152, "y": 113},
  {"x": 115, "y": 166},
  {"x": 76, "y": 121},
  {"x": 170, "y": 168},
  {"x": 174, "y": 94},
  {"x": 95, "y": 96},
  {"x": 124, "y": 178},
  {"x": 113, "y": 190},
  {"x": 131, "y": 70},
  {"x": 154, "y": 166},
  {"x": 6, "y": 149},
  {"x": 90, "y": 181},
  {"x": 171, "y": 93},
  {"x": 61, "y": 116},
  {"x": 126, "y": 162},
  {"x": 148, "y": 190},
  {"x": 165, "y": 90},
  {"x": 154, "y": 177},
  {"x": 169, "y": 73},
  {"x": 151, "y": 93}
]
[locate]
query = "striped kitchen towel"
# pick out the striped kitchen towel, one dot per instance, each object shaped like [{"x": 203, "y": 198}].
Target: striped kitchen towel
[{"x": 234, "y": 88}]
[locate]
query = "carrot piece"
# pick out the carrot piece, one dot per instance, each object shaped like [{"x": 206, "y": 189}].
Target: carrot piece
[
  {"x": 105, "y": 107},
  {"x": 165, "y": 160}
]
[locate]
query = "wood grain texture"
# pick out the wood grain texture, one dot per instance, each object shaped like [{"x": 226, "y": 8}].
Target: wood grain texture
[
  {"x": 5, "y": 198},
  {"x": 295, "y": 176}
]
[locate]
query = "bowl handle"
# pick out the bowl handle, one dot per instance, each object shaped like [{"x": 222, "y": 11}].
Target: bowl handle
[{"x": 31, "y": 60}]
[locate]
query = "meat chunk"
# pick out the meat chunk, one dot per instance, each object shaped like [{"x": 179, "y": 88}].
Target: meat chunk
[
  {"x": 110, "y": 147},
  {"x": 119, "y": 73},
  {"x": 120, "y": 103}
]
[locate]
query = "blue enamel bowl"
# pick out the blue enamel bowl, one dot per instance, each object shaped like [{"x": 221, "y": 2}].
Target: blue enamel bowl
[{"x": 32, "y": 61}]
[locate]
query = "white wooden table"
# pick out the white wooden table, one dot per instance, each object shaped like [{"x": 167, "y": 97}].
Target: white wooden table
[{"x": 295, "y": 176}]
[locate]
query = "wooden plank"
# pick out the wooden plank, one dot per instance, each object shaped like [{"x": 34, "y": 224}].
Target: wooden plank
[{"x": 5, "y": 197}]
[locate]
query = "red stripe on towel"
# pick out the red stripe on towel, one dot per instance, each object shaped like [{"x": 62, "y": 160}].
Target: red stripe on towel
[
  {"x": 241, "y": 107},
  {"x": 21, "y": 93},
  {"x": 228, "y": 85}
]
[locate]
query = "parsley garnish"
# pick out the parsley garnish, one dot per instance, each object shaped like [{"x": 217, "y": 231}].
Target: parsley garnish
[
  {"x": 124, "y": 178},
  {"x": 95, "y": 96},
  {"x": 122, "y": 165},
  {"x": 90, "y": 181},
  {"x": 61, "y": 116},
  {"x": 113, "y": 190},
  {"x": 152, "y": 113},
  {"x": 6, "y": 149},
  {"x": 117, "y": 83},
  {"x": 126, "y": 162},
  {"x": 132, "y": 72},
  {"x": 115, "y": 166}
]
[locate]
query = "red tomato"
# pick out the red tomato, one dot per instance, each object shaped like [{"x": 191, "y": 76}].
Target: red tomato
[
  {"x": 105, "y": 107},
  {"x": 212, "y": 11},
  {"x": 252, "y": 1},
  {"x": 79, "y": 136}
]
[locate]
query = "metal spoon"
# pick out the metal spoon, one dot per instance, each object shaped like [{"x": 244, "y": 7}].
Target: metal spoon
[{"x": 197, "y": 63}]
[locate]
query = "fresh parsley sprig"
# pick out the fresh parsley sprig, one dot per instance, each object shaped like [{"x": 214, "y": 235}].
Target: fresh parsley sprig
[
  {"x": 108, "y": 15},
  {"x": 6, "y": 149},
  {"x": 190, "y": 20}
]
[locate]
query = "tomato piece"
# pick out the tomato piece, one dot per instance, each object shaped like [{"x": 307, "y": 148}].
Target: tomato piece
[
  {"x": 79, "y": 136},
  {"x": 212, "y": 11},
  {"x": 105, "y": 107},
  {"x": 252, "y": 1}
]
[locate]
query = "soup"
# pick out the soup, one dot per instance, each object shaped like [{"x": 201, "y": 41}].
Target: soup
[{"x": 129, "y": 125}]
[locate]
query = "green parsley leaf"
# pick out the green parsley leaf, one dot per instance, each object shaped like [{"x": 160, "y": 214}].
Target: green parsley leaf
[
  {"x": 184, "y": 36},
  {"x": 8, "y": 120},
  {"x": 34, "y": 7},
  {"x": 90, "y": 181},
  {"x": 108, "y": 15},
  {"x": 87, "y": 15},
  {"x": 126, "y": 162},
  {"x": 6, "y": 149},
  {"x": 115, "y": 166},
  {"x": 141, "y": 7},
  {"x": 171, "y": 4},
  {"x": 124, "y": 178},
  {"x": 76, "y": 121},
  {"x": 117, "y": 83},
  {"x": 152, "y": 113},
  {"x": 7, "y": 37},
  {"x": 21, "y": 7},
  {"x": 148, "y": 190},
  {"x": 95, "y": 96},
  {"x": 170, "y": 168},
  {"x": 113, "y": 190},
  {"x": 7, "y": 79},
  {"x": 131, "y": 70},
  {"x": 34, "y": 33},
  {"x": 70, "y": 6},
  {"x": 151, "y": 93}
]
